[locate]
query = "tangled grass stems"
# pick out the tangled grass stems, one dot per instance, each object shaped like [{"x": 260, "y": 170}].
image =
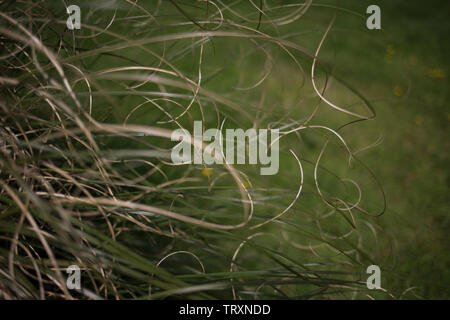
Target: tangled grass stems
[{"x": 84, "y": 172}]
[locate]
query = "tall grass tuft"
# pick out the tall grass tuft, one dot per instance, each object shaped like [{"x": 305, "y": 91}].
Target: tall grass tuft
[{"x": 85, "y": 171}]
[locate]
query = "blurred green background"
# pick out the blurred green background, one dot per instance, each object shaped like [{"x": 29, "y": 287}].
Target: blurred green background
[{"x": 404, "y": 71}]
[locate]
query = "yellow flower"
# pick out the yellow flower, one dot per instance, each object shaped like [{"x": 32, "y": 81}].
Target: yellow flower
[
  {"x": 390, "y": 49},
  {"x": 419, "y": 120},
  {"x": 412, "y": 61},
  {"x": 435, "y": 73},
  {"x": 390, "y": 52},
  {"x": 207, "y": 172},
  {"x": 398, "y": 92}
]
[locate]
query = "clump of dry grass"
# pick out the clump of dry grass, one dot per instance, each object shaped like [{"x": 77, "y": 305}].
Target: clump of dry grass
[{"x": 85, "y": 171}]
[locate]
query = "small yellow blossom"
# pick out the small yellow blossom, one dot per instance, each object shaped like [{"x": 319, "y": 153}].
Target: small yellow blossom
[
  {"x": 207, "y": 172},
  {"x": 390, "y": 52},
  {"x": 435, "y": 73},
  {"x": 398, "y": 92},
  {"x": 412, "y": 61},
  {"x": 419, "y": 120}
]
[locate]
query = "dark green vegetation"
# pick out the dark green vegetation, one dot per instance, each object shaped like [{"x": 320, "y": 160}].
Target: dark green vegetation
[{"x": 85, "y": 172}]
